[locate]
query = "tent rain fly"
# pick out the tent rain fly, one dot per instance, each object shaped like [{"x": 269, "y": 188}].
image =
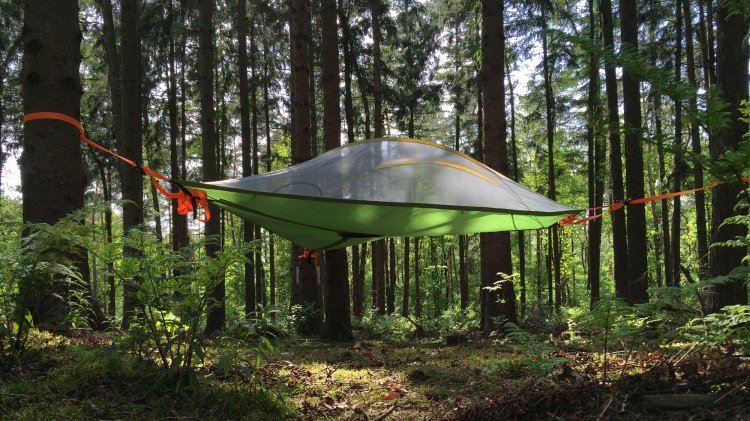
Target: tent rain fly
[{"x": 381, "y": 188}]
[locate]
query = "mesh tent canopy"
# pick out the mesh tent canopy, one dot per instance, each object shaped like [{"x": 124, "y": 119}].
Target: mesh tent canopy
[{"x": 393, "y": 187}]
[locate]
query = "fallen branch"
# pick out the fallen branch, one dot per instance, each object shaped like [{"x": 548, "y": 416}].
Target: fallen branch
[{"x": 385, "y": 414}]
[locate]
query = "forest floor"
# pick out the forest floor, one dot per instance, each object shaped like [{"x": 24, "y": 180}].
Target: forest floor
[{"x": 83, "y": 377}]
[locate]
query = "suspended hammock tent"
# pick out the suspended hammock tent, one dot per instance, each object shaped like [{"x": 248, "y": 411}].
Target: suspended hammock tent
[{"x": 397, "y": 187}]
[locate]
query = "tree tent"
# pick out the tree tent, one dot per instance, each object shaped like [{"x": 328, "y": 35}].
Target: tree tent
[{"x": 395, "y": 187}]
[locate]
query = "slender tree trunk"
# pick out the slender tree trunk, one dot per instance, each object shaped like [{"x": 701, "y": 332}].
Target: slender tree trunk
[
  {"x": 305, "y": 288},
  {"x": 347, "y": 50},
  {"x": 619, "y": 240},
  {"x": 132, "y": 182},
  {"x": 636, "y": 214},
  {"x": 665, "y": 237},
  {"x": 260, "y": 287},
  {"x": 405, "y": 299},
  {"x": 392, "y": 276},
  {"x": 113, "y": 81},
  {"x": 216, "y": 310},
  {"x": 356, "y": 283},
  {"x": 596, "y": 166},
  {"x": 313, "y": 98},
  {"x": 550, "y": 290},
  {"x": 655, "y": 238},
  {"x": 157, "y": 214},
  {"x": 517, "y": 178},
  {"x": 732, "y": 79},
  {"x": 338, "y": 325},
  {"x": 496, "y": 258},
  {"x": 417, "y": 289},
  {"x": 111, "y": 286},
  {"x": 269, "y": 167},
  {"x": 377, "y": 83},
  {"x": 550, "y": 119},
  {"x": 380, "y": 263},
  {"x": 179, "y": 222},
  {"x": 247, "y": 170},
  {"x": 695, "y": 142},
  {"x": 677, "y": 172}
]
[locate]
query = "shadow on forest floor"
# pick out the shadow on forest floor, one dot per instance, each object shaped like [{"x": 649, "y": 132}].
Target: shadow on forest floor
[
  {"x": 475, "y": 381},
  {"x": 84, "y": 378}
]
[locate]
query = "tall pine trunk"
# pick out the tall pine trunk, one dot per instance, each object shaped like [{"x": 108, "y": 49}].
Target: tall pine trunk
[
  {"x": 695, "y": 143},
  {"x": 677, "y": 171},
  {"x": 338, "y": 325},
  {"x": 496, "y": 257},
  {"x": 550, "y": 120},
  {"x": 247, "y": 227},
  {"x": 215, "y": 307},
  {"x": 595, "y": 167},
  {"x": 636, "y": 214},
  {"x": 517, "y": 178},
  {"x": 131, "y": 146},
  {"x": 179, "y": 222},
  {"x": 51, "y": 166},
  {"x": 619, "y": 239},
  {"x": 379, "y": 258},
  {"x": 731, "y": 77},
  {"x": 305, "y": 287}
]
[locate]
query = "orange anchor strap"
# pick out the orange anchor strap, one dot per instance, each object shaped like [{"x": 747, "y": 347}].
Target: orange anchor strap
[
  {"x": 309, "y": 255},
  {"x": 188, "y": 200},
  {"x": 591, "y": 215}
]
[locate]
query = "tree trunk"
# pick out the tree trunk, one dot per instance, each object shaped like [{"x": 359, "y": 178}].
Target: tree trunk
[
  {"x": 132, "y": 181},
  {"x": 392, "y": 276},
  {"x": 347, "y": 50},
  {"x": 216, "y": 310},
  {"x": 636, "y": 214},
  {"x": 550, "y": 119},
  {"x": 405, "y": 299},
  {"x": 595, "y": 167},
  {"x": 517, "y": 178},
  {"x": 260, "y": 288},
  {"x": 497, "y": 256},
  {"x": 269, "y": 167},
  {"x": 357, "y": 297},
  {"x": 52, "y": 176},
  {"x": 695, "y": 142},
  {"x": 378, "y": 259},
  {"x": 313, "y": 98},
  {"x": 619, "y": 240},
  {"x": 417, "y": 290},
  {"x": 731, "y": 77},
  {"x": 338, "y": 324},
  {"x": 113, "y": 81},
  {"x": 179, "y": 222},
  {"x": 665, "y": 241},
  {"x": 677, "y": 171},
  {"x": 305, "y": 288},
  {"x": 247, "y": 169}
]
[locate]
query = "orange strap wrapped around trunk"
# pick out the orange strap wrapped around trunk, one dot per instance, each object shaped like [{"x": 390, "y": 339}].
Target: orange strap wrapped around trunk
[{"x": 188, "y": 200}]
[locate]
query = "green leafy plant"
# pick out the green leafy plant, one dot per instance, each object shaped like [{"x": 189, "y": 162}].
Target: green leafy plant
[
  {"x": 455, "y": 321},
  {"x": 172, "y": 294},
  {"x": 530, "y": 353},
  {"x": 730, "y": 326},
  {"x": 389, "y": 327}
]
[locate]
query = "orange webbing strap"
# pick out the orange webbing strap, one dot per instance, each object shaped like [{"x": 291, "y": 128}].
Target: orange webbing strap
[
  {"x": 188, "y": 200},
  {"x": 310, "y": 255},
  {"x": 572, "y": 219}
]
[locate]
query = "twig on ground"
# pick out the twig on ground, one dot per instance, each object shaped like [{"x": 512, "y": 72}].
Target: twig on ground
[{"x": 385, "y": 414}]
